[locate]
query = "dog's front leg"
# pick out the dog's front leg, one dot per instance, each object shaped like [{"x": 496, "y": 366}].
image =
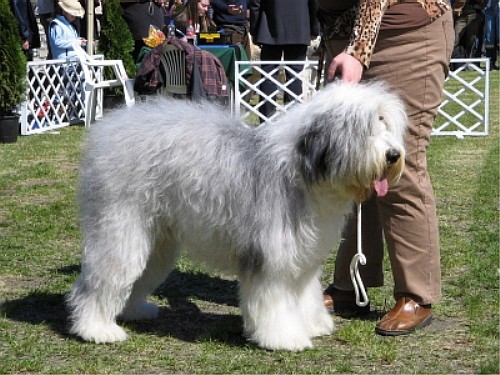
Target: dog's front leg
[
  {"x": 271, "y": 316},
  {"x": 310, "y": 303}
]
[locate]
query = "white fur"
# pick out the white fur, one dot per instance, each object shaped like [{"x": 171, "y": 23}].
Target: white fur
[{"x": 266, "y": 204}]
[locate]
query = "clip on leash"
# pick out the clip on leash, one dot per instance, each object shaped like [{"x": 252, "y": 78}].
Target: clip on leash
[{"x": 358, "y": 258}]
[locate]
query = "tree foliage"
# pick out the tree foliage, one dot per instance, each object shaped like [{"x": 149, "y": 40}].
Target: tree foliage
[
  {"x": 116, "y": 41},
  {"x": 12, "y": 61}
]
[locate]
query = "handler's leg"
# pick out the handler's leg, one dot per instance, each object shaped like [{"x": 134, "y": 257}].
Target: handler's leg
[{"x": 419, "y": 64}]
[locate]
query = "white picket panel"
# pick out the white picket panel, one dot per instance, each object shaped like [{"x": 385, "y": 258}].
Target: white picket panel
[
  {"x": 465, "y": 97},
  {"x": 246, "y": 88},
  {"x": 464, "y": 110},
  {"x": 55, "y": 96}
]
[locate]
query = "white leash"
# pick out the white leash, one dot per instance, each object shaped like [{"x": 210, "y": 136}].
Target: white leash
[{"x": 358, "y": 258}]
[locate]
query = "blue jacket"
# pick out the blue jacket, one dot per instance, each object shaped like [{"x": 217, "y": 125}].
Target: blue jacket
[{"x": 62, "y": 36}]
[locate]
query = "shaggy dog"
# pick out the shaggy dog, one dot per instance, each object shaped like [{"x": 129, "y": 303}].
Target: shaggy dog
[{"x": 265, "y": 204}]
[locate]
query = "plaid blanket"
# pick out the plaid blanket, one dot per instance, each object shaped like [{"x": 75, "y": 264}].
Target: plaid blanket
[{"x": 211, "y": 70}]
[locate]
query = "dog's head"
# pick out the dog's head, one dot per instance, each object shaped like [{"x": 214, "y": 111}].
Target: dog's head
[{"x": 353, "y": 139}]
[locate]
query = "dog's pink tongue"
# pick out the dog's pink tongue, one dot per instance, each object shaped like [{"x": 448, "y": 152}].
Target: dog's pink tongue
[{"x": 381, "y": 187}]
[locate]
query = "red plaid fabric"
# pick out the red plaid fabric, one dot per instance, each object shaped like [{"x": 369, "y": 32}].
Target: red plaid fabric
[{"x": 211, "y": 70}]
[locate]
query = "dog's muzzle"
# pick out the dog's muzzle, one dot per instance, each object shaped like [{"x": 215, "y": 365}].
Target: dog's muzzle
[{"x": 392, "y": 156}]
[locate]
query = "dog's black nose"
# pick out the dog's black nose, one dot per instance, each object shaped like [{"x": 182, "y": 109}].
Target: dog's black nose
[{"x": 392, "y": 156}]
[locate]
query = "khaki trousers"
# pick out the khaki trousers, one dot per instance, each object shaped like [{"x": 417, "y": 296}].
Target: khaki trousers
[{"x": 414, "y": 63}]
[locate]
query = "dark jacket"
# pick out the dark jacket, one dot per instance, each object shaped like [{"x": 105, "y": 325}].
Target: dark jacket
[
  {"x": 140, "y": 15},
  {"x": 28, "y": 28},
  {"x": 281, "y": 22},
  {"x": 223, "y": 17}
]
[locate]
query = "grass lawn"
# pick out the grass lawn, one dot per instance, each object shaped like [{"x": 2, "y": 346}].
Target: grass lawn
[{"x": 199, "y": 330}]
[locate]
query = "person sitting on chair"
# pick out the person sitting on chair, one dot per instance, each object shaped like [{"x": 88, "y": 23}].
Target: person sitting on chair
[{"x": 197, "y": 11}]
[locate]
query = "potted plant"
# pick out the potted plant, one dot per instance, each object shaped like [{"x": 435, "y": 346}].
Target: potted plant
[
  {"x": 116, "y": 42},
  {"x": 12, "y": 74}
]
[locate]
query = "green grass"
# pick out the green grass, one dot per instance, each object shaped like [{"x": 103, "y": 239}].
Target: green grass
[{"x": 199, "y": 330}]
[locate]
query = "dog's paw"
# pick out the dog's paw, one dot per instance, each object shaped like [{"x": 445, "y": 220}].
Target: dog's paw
[
  {"x": 282, "y": 342},
  {"x": 295, "y": 345},
  {"x": 101, "y": 333},
  {"x": 140, "y": 311},
  {"x": 321, "y": 325}
]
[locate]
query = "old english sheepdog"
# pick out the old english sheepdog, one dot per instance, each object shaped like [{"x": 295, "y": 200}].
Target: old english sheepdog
[{"x": 266, "y": 204}]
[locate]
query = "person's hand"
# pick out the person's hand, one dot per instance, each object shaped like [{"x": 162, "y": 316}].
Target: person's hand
[
  {"x": 348, "y": 68},
  {"x": 26, "y": 45},
  {"x": 234, "y": 10},
  {"x": 83, "y": 42}
]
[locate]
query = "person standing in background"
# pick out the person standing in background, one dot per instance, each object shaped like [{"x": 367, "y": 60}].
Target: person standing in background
[
  {"x": 283, "y": 29},
  {"x": 46, "y": 13},
  {"x": 139, "y": 15},
  {"x": 63, "y": 34},
  {"x": 491, "y": 32},
  {"x": 64, "y": 39},
  {"x": 468, "y": 19},
  {"x": 232, "y": 16},
  {"x": 28, "y": 28}
]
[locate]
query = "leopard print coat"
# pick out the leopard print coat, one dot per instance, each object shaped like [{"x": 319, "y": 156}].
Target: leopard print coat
[{"x": 361, "y": 24}]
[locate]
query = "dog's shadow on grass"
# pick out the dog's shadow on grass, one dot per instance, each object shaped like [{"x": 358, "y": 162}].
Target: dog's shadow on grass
[
  {"x": 186, "y": 320},
  {"x": 181, "y": 319}
]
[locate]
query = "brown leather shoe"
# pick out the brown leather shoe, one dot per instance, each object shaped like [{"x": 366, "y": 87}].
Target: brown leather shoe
[
  {"x": 404, "y": 318},
  {"x": 343, "y": 302}
]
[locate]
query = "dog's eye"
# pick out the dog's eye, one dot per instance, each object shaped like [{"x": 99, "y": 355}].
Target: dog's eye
[{"x": 381, "y": 118}]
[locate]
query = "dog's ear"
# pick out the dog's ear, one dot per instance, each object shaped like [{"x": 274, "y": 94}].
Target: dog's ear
[{"x": 313, "y": 148}]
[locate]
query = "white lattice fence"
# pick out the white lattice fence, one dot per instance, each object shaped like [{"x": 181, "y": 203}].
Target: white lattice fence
[
  {"x": 55, "y": 96},
  {"x": 464, "y": 110},
  {"x": 245, "y": 104}
]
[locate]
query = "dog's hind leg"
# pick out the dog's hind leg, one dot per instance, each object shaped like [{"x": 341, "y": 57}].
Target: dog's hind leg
[
  {"x": 160, "y": 264},
  {"x": 115, "y": 256}
]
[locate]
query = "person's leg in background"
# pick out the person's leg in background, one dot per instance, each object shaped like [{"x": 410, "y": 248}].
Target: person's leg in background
[
  {"x": 491, "y": 32},
  {"x": 479, "y": 42},
  {"x": 466, "y": 27},
  {"x": 473, "y": 21},
  {"x": 269, "y": 53},
  {"x": 294, "y": 52}
]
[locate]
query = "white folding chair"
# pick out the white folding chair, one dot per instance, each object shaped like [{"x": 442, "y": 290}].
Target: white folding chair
[{"x": 94, "y": 81}]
